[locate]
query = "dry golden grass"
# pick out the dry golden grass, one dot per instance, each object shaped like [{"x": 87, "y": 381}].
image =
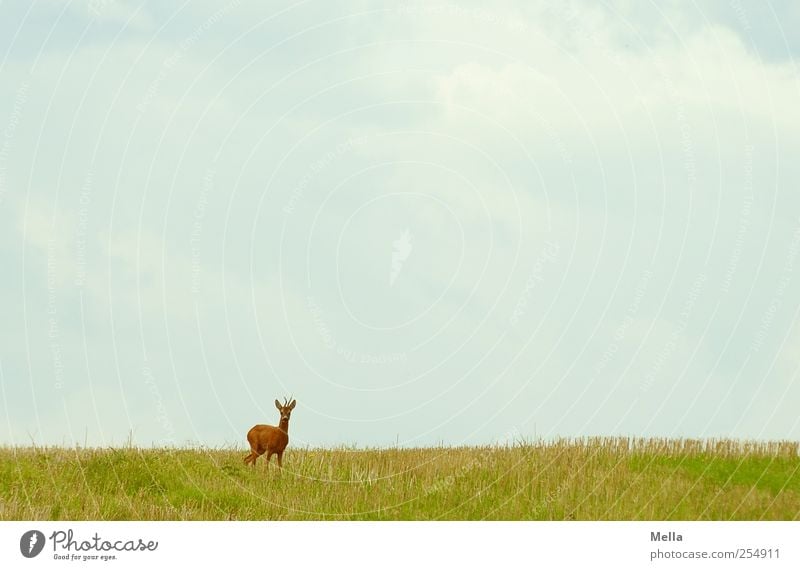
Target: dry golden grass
[{"x": 586, "y": 479}]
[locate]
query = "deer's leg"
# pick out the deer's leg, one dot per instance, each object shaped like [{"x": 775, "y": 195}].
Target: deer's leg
[
  {"x": 254, "y": 454},
  {"x": 269, "y": 456},
  {"x": 280, "y": 460}
]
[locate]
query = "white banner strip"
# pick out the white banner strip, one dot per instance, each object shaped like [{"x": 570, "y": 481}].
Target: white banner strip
[{"x": 400, "y": 545}]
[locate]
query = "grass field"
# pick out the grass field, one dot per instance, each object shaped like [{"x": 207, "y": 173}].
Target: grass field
[{"x": 589, "y": 479}]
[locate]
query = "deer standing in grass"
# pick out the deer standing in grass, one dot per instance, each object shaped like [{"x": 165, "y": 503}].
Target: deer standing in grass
[{"x": 270, "y": 439}]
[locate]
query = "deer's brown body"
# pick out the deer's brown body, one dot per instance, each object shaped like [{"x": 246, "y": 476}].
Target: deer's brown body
[{"x": 271, "y": 440}]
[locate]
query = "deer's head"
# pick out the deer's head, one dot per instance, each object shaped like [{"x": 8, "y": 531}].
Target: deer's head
[{"x": 285, "y": 409}]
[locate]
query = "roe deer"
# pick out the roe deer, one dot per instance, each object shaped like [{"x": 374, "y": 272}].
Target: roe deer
[{"x": 270, "y": 439}]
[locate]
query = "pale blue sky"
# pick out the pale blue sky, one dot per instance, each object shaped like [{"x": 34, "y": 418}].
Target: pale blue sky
[{"x": 428, "y": 222}]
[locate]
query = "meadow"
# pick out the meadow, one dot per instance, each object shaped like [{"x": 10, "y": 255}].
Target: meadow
[{"x": 576, "y": 479}]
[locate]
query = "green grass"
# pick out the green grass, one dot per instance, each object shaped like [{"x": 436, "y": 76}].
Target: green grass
[{"x": 587, "y": 479}]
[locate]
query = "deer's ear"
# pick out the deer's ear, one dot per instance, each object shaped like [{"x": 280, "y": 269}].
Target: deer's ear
[
  {"x": 292, "y": 405},
  {"x": 277, "y": 404}
]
